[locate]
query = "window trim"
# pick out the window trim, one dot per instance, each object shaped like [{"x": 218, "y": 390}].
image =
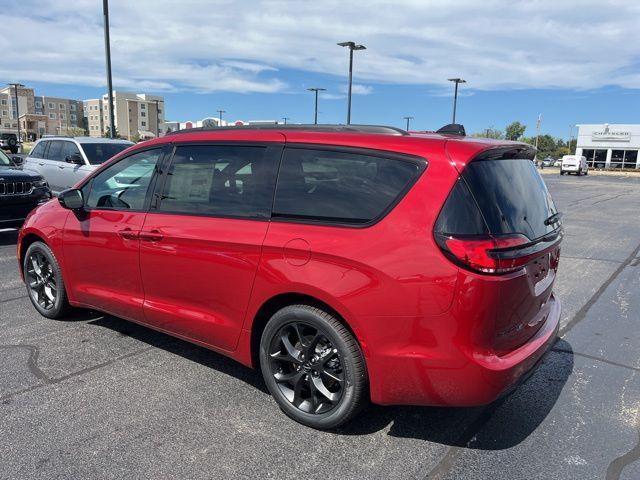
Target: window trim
[
  {"x": 421, "y": 162},
  {"x": 277, "y": 149},
  {"x": 88, "y": 182}
]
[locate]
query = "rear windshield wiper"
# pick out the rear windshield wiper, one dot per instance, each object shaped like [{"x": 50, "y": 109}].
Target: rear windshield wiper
[{"x": 555, "y": 218}]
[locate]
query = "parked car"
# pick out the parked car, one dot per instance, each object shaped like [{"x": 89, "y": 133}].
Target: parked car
[
  {"x": 64, "y": 161},
  {"x": 548, "y": 162},
  {"x": 20, "y": 192},
  {"x": 347, "y": 263},
  {"x": 574, "y": 164},
  {"x": 558, "y": 163},
  {"x": 9, "y": 141}
]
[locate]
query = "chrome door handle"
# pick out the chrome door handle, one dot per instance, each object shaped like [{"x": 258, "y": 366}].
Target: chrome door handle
[
  {"x": 61, "y": 166},
  {"x": 154, "y": 235},
  {"x": 128, "y": 234}
]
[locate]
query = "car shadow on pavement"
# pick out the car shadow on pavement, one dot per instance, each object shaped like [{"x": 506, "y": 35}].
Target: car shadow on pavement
[
  {"x": 9, "y": 237},
  {"x": 187, "y": 350},
  {"x": 503, "y": 424},
  {"x": 500, "y": 425}
]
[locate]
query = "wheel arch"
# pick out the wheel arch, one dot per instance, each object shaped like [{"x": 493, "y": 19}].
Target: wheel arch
[
  {"x": 26, "y": 241},
  {"x": 277, "y": 302}
]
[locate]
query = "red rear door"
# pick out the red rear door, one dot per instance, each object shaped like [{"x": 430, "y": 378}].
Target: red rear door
[{"x": 200, "y": 246}]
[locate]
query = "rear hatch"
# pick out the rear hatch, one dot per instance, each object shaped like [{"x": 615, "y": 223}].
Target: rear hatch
[{"x": 500, "y": 222}]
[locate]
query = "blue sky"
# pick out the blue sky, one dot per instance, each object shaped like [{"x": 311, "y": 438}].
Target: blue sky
[{"x": 255, "y": 59}]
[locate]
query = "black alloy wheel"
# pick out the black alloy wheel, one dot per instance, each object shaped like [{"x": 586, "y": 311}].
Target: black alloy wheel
[
  {"x": 313, "y": 366},
  {"x": 43, "y": 279}
]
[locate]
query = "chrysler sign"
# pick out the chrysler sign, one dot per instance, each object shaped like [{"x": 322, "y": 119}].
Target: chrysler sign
[{"x": 611, "y": 135}]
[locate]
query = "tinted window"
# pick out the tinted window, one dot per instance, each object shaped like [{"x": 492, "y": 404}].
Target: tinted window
[
  {"x": 339, "y": 186},
  {"x": 55, "y": 150},
  {"x": 124, "y": 185},
  {"x": 98, "y": 153},
  {"x": 221, "y": 180},
  {"x": 38, "y": 151},
  {"x": 512, "y": 196},
  {"x": 460, "y": 214},
  {"x": 68, "y": 149}
]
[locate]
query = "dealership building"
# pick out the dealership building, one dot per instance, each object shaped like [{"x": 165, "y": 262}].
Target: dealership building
[{"x": 609, "y": 145}]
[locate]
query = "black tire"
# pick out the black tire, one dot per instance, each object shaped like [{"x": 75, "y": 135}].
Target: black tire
[
  {"x": 50, "y": 277},
  {"x": 561, "y": 172},
  {"x": 14, "y": 150},
  {"x": 302, "y": 386}
]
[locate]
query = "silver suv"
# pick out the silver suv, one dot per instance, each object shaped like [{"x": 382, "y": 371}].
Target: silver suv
[{"x": 63, "y": 161}]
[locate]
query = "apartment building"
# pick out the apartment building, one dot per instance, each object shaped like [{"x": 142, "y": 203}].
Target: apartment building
[
  {"x": 39, "y": 115},
  {"x": 136, "y": 115}
]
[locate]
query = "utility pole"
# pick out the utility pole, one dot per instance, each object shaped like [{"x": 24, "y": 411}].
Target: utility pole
[
  {"x": 352, "y": 46},
  {"x": 107, "y": 51},
  {"x": 316, "y": 90},
  {"x": 15, "y": 90},
  {"x": 570, "y": 139},
  {"x": 220, "y": 112},
  {"x": 408, "y": 119},
  {"x": 157, "y": 118},
  {"x": 538, "y": 122},
  {"x": 455, "y": 95},
  {"x": 285, "y": 119}
]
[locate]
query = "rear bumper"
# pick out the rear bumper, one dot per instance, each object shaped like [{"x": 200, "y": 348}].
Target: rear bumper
[
  {"x": 461, "y": 378},
  {"x": 570, "y": 168}
]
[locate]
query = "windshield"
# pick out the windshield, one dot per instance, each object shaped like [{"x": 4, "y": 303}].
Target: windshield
[
  {"x": 4, "y": 160},
  {"x": 98, "y": 153}
]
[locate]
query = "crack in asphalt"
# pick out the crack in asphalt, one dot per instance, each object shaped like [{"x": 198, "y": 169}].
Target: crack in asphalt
[
  {"x": 33, "y": 367},
  {"x": 599, "y": 359},
  {"x": 11, "y": 299},
  {"x": 582, "y": 313}
]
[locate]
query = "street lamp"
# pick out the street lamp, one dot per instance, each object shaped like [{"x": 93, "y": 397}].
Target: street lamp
[
  {"x": 15, "y": 89},
  {"x": 352, "y": 46},
  {"x": 107, "y": 51},
  {"x": 220, "y": 112},
  {"x": 408, "y": 119},
  {"x": 455, "y": 96},
  {"x": 285, "y": 119},
  {"x": 316, "y": 90},
  {"x": 157, "y": 118},
  {"x": 570, "y": 139}
]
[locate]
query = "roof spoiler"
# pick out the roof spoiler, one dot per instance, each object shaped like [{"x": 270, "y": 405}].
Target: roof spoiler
[{"x": 452, "y": 129}]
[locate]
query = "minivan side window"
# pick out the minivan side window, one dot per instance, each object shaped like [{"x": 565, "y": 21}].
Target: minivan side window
[
  {"x": 124, "y": 185},
  {"x": 38, "y": 151},
  {"x": 343, "y": 187},
  {"x": 222, "y": 180}
]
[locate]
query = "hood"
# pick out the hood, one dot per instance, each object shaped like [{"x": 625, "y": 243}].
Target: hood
[{"x": 16, "y": 174}]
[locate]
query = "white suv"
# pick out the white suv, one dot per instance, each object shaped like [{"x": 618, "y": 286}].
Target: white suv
[
  {"x": 574, "y": 164},
  {"x": 63, "y": 161}
]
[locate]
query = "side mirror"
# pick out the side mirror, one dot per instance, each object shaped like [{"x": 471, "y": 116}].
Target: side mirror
[
  {"x": 18, "y": 160},
  {"x": 71, "y": 199},
  {"x": 75, "y": 158}
]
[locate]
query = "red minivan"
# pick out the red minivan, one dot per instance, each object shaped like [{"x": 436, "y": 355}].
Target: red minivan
[{"x": 349, "y": 263}]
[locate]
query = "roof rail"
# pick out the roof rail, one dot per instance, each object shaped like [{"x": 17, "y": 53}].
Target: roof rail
[
  {"x": 379, "y": 129},
  {"x": 452, "y": 129}
]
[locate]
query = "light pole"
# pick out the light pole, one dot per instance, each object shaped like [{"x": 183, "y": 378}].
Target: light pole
[
  {"x": 455, "y": 95},
  {"x": 220, "y": 112},
  {"x": 570, "y": 138},
  {"x": 352, "y": 46},
  {"x": 408, "y": 119},
  {"x": 157, "y": 118},
  {"x": 15, "y": 90},
  {"x": 316, "y": 90},
  {"x": 538, "y": 122},
  {"x": 285, "y": 119},
  {"x": 107, "y": 51}
]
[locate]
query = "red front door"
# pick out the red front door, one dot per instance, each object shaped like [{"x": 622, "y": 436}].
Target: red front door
[{"x": 101, "y": 245}]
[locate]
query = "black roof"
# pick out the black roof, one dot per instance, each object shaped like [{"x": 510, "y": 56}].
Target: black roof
[{"x": 379, "y": 129}]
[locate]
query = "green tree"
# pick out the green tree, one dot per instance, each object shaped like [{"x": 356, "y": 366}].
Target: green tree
[
  {"x": 107, "y": 133},
  {"x": 514, "y": 131},
  {"x": 489, "y": 133},
  {"x": 76, "y": 132}
]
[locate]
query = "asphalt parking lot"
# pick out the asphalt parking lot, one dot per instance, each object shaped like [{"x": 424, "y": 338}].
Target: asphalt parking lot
[{"x": 98, "y": 397}]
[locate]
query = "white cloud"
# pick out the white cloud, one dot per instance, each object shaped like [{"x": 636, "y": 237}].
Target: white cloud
[{"x": 244, "y": 46}]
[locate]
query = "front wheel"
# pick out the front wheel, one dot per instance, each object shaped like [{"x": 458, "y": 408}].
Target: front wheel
[
  {"x": 561, "y": 172},
  {"x": 313, "y": 367},
  {"x": 43, "y": 278}
]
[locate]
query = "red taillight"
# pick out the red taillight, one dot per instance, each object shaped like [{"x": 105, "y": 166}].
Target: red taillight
[{"x": 486, "y": 254}]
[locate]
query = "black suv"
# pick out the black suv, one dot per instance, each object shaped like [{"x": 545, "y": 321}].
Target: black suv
[
  {"x": 9, "y": 141},
  {"x": 20, "y": 192}
]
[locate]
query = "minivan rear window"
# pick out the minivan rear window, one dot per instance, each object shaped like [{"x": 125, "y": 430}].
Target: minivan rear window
[
  {"x": 337, "y": 186},
  {"x": 512, "y": 197}
]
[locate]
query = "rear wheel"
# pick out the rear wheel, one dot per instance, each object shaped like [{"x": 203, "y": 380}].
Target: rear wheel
[
  {"x": 44, "y": 282},
  {"x": 313, "y": 367},
  {"x": 561, "y": 172}
]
